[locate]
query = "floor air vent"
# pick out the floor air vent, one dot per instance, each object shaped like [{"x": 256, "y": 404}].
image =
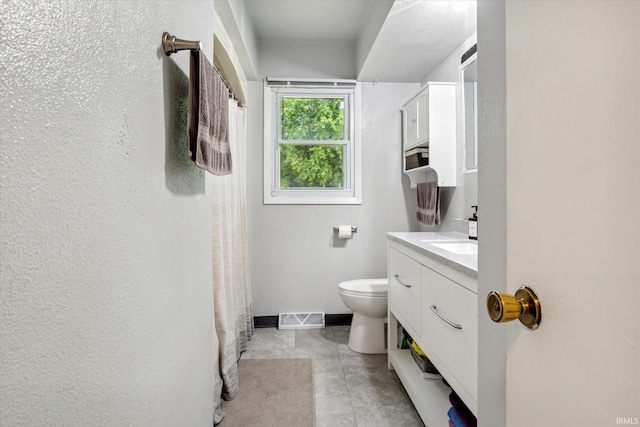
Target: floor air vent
[{"x": 301, "y": 320}]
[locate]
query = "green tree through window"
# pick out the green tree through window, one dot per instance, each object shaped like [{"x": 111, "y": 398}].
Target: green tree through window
[{"x": 312, "y": 165}]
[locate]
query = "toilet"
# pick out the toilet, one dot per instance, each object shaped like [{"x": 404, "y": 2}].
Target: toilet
[{"x": 368, "y": 300}]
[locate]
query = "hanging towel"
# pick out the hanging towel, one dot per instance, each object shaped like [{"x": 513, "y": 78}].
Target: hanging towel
[
  {"x": 208, "y": 123},
  {"x": 428, "y": 203}
]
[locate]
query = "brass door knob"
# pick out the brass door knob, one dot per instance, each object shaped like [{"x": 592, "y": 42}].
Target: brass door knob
[{"x": 525, "y": 306}]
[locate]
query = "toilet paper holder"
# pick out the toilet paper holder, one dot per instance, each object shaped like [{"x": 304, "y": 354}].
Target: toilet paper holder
[{"x": 337, "y": 229}]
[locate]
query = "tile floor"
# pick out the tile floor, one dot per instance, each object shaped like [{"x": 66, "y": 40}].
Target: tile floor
[{"x": 351, "y": 389}]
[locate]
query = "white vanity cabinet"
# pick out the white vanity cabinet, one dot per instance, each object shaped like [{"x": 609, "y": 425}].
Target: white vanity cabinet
[
  {"x": 429, "y": 121},
  {"x": 450, "y": 332},
  {"x": 445, "y": 306},
  {"x": 404, "y": 290}
]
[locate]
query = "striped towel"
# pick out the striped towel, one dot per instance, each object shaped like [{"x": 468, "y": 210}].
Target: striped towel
[
  {"x": 208, "y": 123},
  {"x": 428, "y": 203}
]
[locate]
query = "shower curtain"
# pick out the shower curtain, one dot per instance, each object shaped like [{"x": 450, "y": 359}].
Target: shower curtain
[{"x": 231, "y": 286}]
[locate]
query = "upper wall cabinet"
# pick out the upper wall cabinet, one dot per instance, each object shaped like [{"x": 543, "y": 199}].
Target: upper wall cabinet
[{"x": 429, "y": 124}]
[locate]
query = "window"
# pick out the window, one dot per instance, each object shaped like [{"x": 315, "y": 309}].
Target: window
[{"x": 311, "y": 137}]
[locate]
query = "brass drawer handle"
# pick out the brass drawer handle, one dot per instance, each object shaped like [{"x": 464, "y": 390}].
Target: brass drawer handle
[
  {"x": 455, "y": 325},
  {"x": 406, "y": 285}
]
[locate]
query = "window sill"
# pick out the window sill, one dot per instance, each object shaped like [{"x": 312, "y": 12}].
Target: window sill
[{"x": 284, "y": 200}]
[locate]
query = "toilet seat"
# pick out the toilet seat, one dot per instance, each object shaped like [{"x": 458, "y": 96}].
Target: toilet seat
[{"x": 368, "y": 287}]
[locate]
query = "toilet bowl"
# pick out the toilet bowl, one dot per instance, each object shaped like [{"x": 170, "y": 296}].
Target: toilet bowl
[{"x": 368, "y": 300}]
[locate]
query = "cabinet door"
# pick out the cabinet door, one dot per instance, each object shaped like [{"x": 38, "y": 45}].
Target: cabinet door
[
  {"x": 442, "y": 133},
  {"x": 423, "y": 116},
  {"x": 411, "y": 124},
  {"x": 450, "y": 329},
  {"x": 404, "y": 290}
]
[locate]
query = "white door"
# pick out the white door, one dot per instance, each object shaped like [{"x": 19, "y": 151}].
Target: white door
[{"x": 573, "y": 211}]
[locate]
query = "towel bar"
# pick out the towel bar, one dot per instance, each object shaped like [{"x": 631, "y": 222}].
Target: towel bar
[{"x": 171, "y": 44}]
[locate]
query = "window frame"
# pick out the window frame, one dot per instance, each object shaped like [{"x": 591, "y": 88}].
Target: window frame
[{"x": 350, "y": 194}]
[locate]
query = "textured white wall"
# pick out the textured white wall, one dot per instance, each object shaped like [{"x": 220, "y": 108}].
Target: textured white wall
[
  {"x": 295, "y": 263},
  {"x": 106, "y": 315}
]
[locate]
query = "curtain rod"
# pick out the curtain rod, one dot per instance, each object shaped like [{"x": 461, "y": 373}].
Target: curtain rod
[
  {"x": 171, "y": 44},
  {"x": 287, "y": 82}
]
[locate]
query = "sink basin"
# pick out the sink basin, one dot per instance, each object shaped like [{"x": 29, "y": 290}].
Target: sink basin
[{"x": 462, "y": 248}]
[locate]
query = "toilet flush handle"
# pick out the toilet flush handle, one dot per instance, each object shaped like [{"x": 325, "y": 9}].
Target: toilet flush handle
[{"x": 406, "y": 285}]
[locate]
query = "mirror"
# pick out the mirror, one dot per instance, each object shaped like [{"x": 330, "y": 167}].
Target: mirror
[{"x": 470, "y": 113}]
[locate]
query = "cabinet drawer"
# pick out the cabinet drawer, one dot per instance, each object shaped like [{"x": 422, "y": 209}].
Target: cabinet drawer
[
  {"x": 404, "y": 288},
  {"x": 444, "y": 300}
]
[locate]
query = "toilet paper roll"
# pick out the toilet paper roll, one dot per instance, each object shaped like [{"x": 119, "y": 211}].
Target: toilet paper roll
[{"x": 344, "y": 232}]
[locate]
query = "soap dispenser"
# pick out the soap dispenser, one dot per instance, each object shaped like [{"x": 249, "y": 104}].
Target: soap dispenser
[{"x": 473, "y": 224}]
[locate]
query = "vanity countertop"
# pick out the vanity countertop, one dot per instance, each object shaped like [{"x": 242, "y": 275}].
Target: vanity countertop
[{"x": 423, "y": 243}]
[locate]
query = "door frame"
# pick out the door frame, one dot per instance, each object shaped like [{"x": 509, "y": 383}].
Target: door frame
[{"x": 492, "y": 195}]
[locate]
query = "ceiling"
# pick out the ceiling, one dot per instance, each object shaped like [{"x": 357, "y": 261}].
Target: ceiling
[
  {"x": 415, "y": 37},
  {"x": 309, "y": 21}
]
